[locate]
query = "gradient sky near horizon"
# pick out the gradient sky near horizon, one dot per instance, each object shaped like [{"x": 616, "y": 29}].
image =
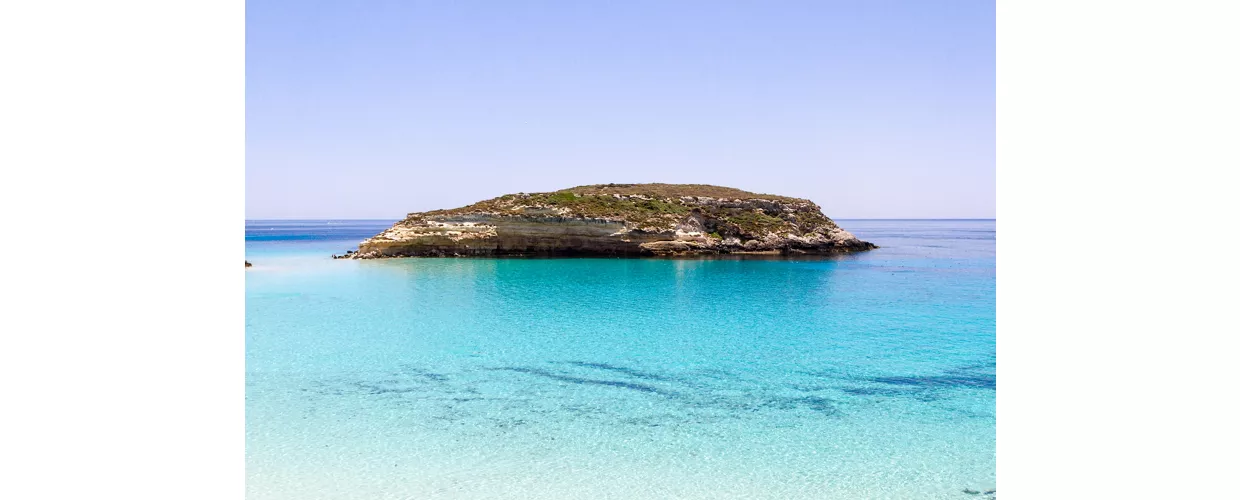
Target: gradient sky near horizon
[{"x": 882, "y": 109}]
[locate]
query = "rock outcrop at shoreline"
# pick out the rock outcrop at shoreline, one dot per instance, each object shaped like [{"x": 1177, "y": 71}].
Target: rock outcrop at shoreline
[{"x": 618, "y": 220}]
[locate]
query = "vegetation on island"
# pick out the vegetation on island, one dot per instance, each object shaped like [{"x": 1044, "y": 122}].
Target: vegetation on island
[{"x": 662, "y": 206}]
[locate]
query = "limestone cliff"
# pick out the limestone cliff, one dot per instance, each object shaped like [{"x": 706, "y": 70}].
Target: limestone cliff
[{"x": 621, "y": 220}]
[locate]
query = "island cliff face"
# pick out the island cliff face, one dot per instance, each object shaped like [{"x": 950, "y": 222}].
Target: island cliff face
[{"x": 618, "y": 220}]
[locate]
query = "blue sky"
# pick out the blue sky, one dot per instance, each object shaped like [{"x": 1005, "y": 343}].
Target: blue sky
[{"x": 373, "y": 109}]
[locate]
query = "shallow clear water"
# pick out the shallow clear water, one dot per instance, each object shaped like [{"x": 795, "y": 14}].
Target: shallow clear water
[{"x": 869, "y": 376}]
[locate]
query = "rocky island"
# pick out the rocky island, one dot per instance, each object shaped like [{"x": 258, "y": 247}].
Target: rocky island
[{"x": 618, "y": 220}]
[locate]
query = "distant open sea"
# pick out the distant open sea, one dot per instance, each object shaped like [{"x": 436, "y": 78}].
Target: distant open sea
[{"x": 866, "y": 376}]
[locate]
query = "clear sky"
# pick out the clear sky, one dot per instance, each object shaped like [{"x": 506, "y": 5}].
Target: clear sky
[{"x": 374, "y": 109}]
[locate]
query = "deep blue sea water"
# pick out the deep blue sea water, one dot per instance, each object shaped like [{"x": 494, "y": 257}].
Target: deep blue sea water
[{"x": 868, "y": 376}]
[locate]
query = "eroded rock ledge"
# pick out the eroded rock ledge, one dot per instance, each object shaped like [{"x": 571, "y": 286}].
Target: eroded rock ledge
[{"x": 618, "y": 220}]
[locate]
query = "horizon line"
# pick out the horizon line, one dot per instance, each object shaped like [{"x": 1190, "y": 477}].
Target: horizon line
[{"x": 832, "y": 218}]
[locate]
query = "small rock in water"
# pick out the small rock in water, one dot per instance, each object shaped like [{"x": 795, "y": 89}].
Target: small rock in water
[
  {"x": 248, "y": 264},
  {"x": 972, "y": 492}
]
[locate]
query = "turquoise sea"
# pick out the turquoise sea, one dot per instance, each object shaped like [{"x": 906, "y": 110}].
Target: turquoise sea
[{"x": 867, "y": 376}]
